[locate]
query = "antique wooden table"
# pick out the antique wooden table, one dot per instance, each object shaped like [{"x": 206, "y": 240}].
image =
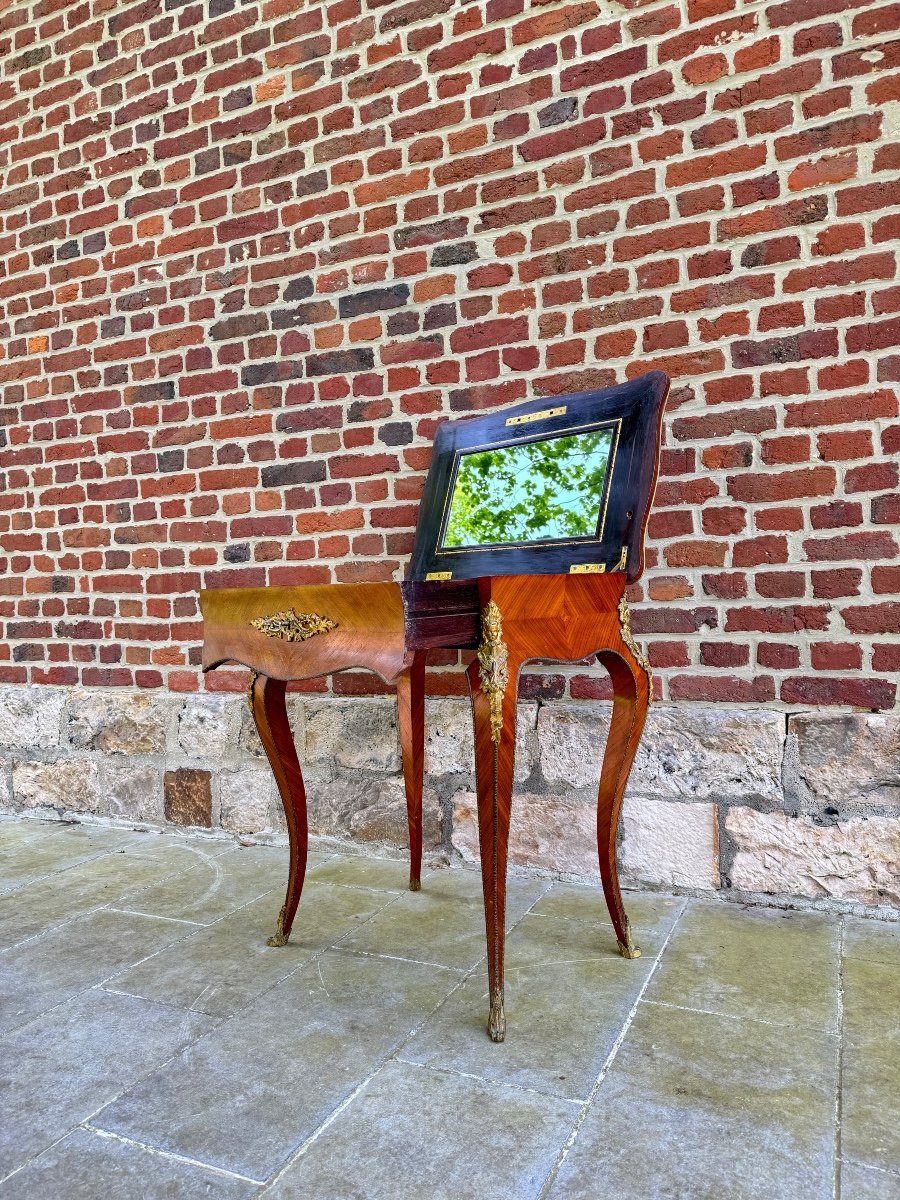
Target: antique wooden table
[
  {"x": 548, "y": 598},
  {"x": 300, "y": 633}
]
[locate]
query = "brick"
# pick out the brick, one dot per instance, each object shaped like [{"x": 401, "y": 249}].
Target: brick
[
  {"x": 836, "y": 582},
  {"x": 835, "y": 410},
  {"x": 291, "y": 474},
  {"x": 728, "y": 689},
  {"x": 886, "y": 659},
  {"x": 778, "y": 486},
  {"x": 553, "y": 21},
  {"x": 886, "y": 510},
  {"x": 876, "y": 335},
  {"x": 873, "y": 477},
  {"x": 781, "y": 585},
  {"x": 838, "y": 514},
  {"x": 699, "y": 169},
  {"x": 873, "y": 618},
  {"x": 605, "y": 69},
  {"x": 340, "y": 362},
  {"x": 852, "y": 546},
  {"x": 573, "y": 137},
  {"x": 753, "y": 552},
  {"x": 873, "y": 694},
  {"x": 374, "y": 300},
  {"x": 188, "y": 797},
  {"x": 861, "y": 269},
  {"x": 777, "y": 657},
  {"x": 462, "y": 50},
  {"x": 239, "y": 327},
  {"x": 490, "y": 333},
  {"x": 834, "y": 168},
  {"x": 819, "y": 343},
  {"x": 831, "y": 656},
  {"x": 849, "y": 131}
]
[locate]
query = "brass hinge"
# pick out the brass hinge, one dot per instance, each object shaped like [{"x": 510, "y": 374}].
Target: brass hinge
[{"x": 537, "y": 416}]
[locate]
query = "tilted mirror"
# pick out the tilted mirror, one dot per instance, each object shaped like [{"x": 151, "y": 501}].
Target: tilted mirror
[
  {"x": 547, "y": 487},
  {"x": 550, "y": 489}
]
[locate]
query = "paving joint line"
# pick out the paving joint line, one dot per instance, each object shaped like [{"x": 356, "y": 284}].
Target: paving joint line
[
  {"x": 421, "y": 962},
  {"x": 839, "y": 1088},
  {"x": 711, "y": 1012},
  {"x": 114, "y": 991},
  {"x": 169, "y": 1154},
  {"x": 610, "y": 1058},
  {"x": 545, "y": 916},
  {"x": 134, "y": 912},
  {"x": 37, "y": 1154},
  {"x": 499, "y": 1083},
  {"x": 868, "y": 1166}
]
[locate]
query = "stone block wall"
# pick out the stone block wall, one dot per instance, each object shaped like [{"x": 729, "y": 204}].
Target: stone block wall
[{"x": 746, "y": 803}]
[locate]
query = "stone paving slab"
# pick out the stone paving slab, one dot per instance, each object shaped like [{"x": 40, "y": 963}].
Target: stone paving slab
[
  {"x": 402, "y": 1138},
  {"x": 139, "y": 878},
  {"x": 16, "y": 831},
  {"x": 438, "y": 927},
  {"x": 248, "y": 1095},
  {"x": 870, "y": 1130},
  {"x": 868, "y": 1183},
  {"x": 86, "y": 1165},
  {"x": 152, "y": 1045},
  {"x": 773, "y": 965},
  {"x": 41, "y": 973},
  {"x": 385, "y": 874},
  {"x": 36, "y": 856},
  {"x": 223, "y": 966},
  {"x": 211, "y": 887},
  {"x": 161, "y": 844},
  {"x": 57, "y": 1072},
  {"x": 50, "y": 901},
  {"x": 715, "y": 1107},
  {"x": 579, "y": 902},
  {"x": 872, "y": 940}
]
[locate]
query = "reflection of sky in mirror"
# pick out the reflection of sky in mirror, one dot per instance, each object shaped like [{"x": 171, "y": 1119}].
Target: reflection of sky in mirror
[{"x": 549, "y": 489}]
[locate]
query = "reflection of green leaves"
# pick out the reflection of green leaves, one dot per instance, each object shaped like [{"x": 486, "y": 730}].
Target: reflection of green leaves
[{"x": 525, "y": 493}]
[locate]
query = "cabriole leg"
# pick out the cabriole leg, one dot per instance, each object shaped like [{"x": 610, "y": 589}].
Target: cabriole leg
[
  {"x": 411, "y": 718},
  {"x": 630, "y": 701},
  {"x": 267, "y": 703},
  {"x": 492, "y": 685}
]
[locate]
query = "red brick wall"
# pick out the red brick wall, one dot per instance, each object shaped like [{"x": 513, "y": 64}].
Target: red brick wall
[{"x": 252, "y": 254}]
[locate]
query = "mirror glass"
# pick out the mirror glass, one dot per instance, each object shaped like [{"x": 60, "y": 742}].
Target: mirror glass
[{"x": 529, "y": 492}]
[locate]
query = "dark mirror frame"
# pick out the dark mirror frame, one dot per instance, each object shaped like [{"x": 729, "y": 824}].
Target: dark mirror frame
[{"x": 633, "y": 409}]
